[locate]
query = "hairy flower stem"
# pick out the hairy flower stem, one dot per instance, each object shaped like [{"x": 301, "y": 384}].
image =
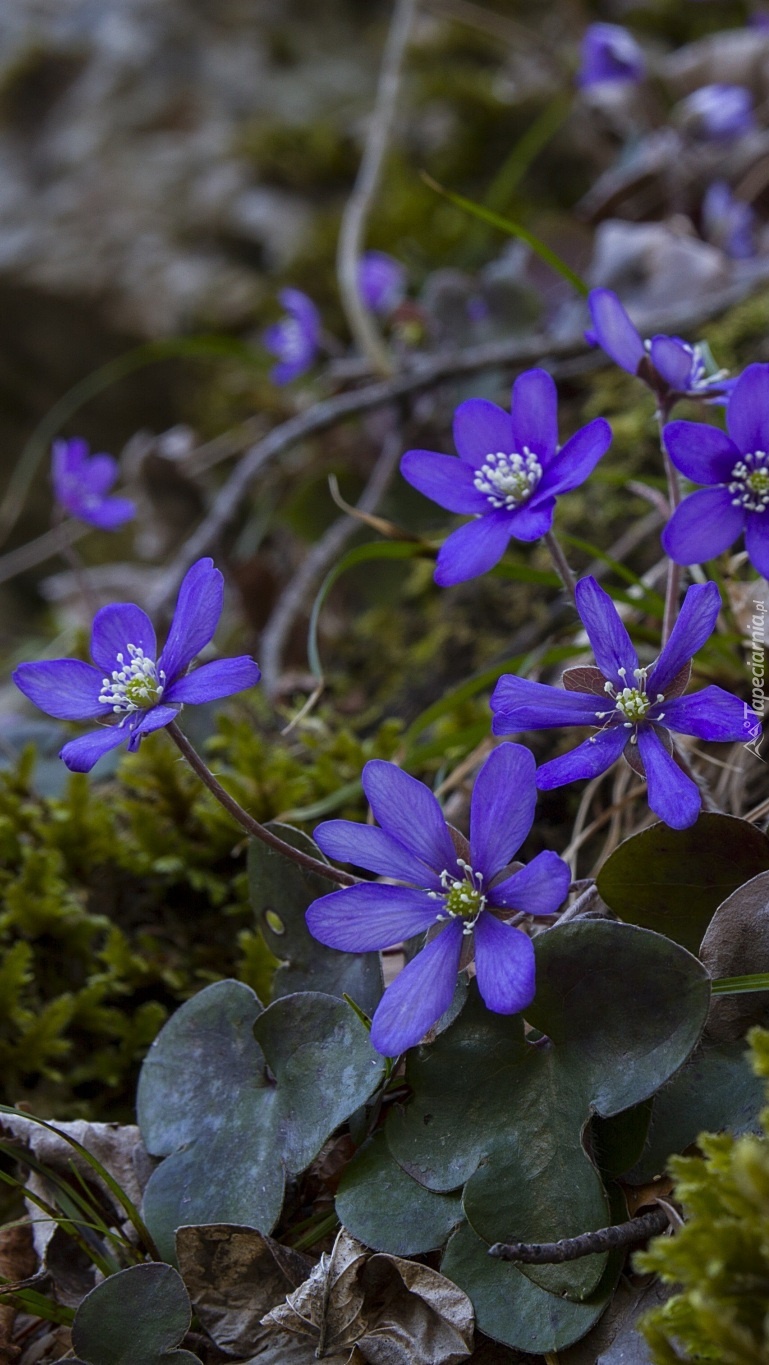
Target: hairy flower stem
[
  {"x": 561, "y": 565},
  {"x": 673, "y": 587},
  {"x": 246, "y": 821}
]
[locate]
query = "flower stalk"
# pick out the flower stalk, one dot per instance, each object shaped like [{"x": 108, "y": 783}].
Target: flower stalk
[{"x": 246, "y": 821}]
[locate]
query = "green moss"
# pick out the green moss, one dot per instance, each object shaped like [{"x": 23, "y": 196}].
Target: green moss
[
  {"x": 720, "y": 1258},
  {"x": 304, "y": 156}
]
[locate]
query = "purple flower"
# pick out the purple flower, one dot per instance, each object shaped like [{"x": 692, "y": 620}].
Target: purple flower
[
  {"x": 728, "y": 222},
  {"x": 381, "y": 281},
  {"x": 670, "y": 366},
  {"x": 736, "y": 470},
  {"x": 610, "y": 53},
  {"x": 81, "y": 485},
  {"x": 127, "y": 682},
  {"x": 719, "y": 112},
  {"x": 456, "y": 889},
  {"x": 508, "y": 476},
  {"x": 295, "y": 338},
  {"x": 634, "y": 708}
]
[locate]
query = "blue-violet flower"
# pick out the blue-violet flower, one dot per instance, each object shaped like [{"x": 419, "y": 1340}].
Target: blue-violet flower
[
  {"x": 81, "y": 485},
  {"x": 127, "y": 682},
  {"x": 381, "y": 281},
  {"x": 737, "y": 469},
  {"x": 456, "y": 890},
  {"x": 609, "y": 53},
  {"x": 728, "y": 222},
  {"x": 634, "y": 708},
  {"x": 508, "y": 474},
  {"x": 717, "y": 113},
  {"x": 295, "y": 339},
  {"x": 670, "y": 366}
]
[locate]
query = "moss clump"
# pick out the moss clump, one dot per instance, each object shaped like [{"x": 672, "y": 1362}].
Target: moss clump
[
  {"x": 119, "y": 900},
  {"x": 720, "y": 1258},
  {"x": 300, "y": 156}
]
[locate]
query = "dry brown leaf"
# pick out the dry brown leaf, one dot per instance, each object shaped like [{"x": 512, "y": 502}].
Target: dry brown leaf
[
  {"x": 397, "y": 1312},
  {"x": 234, "y": 1275}
]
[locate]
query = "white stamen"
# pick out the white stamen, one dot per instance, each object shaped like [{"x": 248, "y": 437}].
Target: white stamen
[
  {"x": 508, "y": 481},
  {"x": 135, "y": 686}
]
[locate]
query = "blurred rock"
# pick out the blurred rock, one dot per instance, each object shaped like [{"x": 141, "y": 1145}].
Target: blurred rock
[{"x": 656, "y": 265}]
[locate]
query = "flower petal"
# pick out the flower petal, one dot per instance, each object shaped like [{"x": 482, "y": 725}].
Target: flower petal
[
  {"x": 534, "y": 520},
  {"x": 757, "y": 542},
  {"x": 110, "y": 513},
  {"x": 535, "y": 414},
  {"x": 704, "y": 454},
  {"x": 502, "y": 808},
  {"x": 538, "y": 889},
  {"x": 576, "y": 460},
  {"x": 114, "y": 629},
  {"x": 221, "y": 678},
  {"x": 673, "y": 796},
  {"x": 196, "y": 617},
  {"x": 747, "y": 416},
  {"x": 367, "y": 917},
  {"x": 673, "y": 361},
  {"x": 445, "y": 479},
  {"x": 473, "y": 549},
  {"x": 419, "y": 995},
  {"x": 482, "y": 428},
  {"x": 589, "y": 759},
  {"x": 369, "y": 847},
  {"x": 711, "y": 713},
  {"x": 702, "y": 526},
  {"x": 504, "y": 965},
  {"x": 64, "y": 688},
  {"x": 520, "y": 704},
  {"x": 153, "y": 719},
  {"x": 407, "y": 810},
  {"x": 614, "y": 650},
  {"x": 102, "y": 474},
  {"x": 694, "y": 625},
  {"x": 81, "y": 754},
  {"x": 614, "y": 331}
]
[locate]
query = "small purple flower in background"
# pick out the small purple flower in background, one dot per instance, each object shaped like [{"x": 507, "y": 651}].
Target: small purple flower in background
[
  {"x": 81, "y": 485},
  {"x": 609, "y": 53},
  {"x": 458, "y": 889},
  {"x": 670, "y": 366},
  {"x": 728, "y": 222},
  {"x": 508, "y": 474},
  {"x": 635, "y": 708},
  {"x": 718, "y": 113},
  {"x": 381, "y": 281},
  {"x": 736, "y": 468},
  {"x": 295, "y": 338},
  {"x": 127, "y": 682}
]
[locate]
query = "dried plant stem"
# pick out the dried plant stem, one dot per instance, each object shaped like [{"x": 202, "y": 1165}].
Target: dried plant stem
[
  {"x": 246, "y": 821},
  {"x": 673, "y": 587},
  {"x": 629, "y": 1234},
  {"x": 353, "y": 227},
  {"x": 53, "y": 542}
]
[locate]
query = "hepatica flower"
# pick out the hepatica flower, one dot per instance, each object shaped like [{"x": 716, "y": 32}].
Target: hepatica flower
[
  {"x": 609, "y": 53},
  {"x": 670, "y": 366},
  {"x": 508, "y": 475},
  {"x": 381, "y": 281},
  {"x": 295, "y": 338},
  {"x": 81, "y": 485},
  {"x": 130, "y": 685},
  {"x": 736, "y": 468},
  {"x": 461, "y": 892},
  {"x": 728, "y": 222},
  {"x": 633, "y": 709},
  {"x": 718, "y": 113}
]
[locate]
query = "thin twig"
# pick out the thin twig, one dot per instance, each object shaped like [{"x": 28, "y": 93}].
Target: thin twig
[
  {"x": 246, "y": 821},
  {"x": 53, "y": 542},
  {"x": 317, "y": 560},
  {"x": 353, "y": 226},
  {"x": 629, "y": 1234},
  {"x": 673, "y": 587}
]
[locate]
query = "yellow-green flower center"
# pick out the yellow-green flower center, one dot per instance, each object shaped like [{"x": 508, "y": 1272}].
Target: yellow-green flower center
[
  {"x": 632, "y": 703},
  {"x": 462, "y": 897},
  {"x": 134, "y": 685},
  {"x": 508, "y": 481},
  {"x": 749, "y": 484}
]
